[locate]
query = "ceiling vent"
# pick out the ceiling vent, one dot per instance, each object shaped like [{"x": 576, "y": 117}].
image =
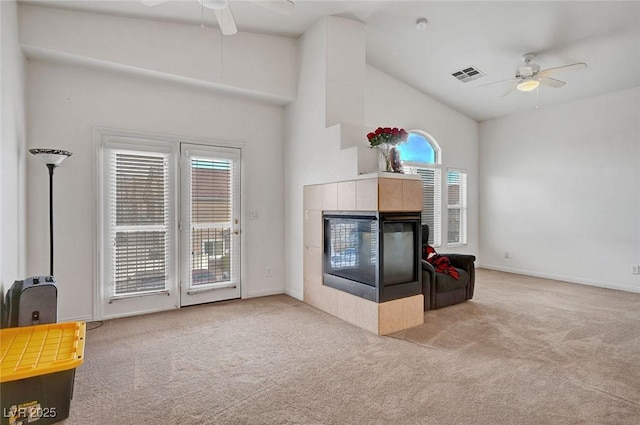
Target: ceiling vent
[{"x": 468, "y": 74}]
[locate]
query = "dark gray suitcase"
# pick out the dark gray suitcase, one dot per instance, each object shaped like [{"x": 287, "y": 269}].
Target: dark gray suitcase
[{"x": 33, "y": 301}]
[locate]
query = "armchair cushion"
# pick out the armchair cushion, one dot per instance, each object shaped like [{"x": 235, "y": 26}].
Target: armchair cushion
[{"x": 446, "y": 283}]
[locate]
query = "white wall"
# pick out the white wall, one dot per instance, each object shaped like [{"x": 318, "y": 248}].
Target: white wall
[
  {"x": 560, "y": 191},
  {"x": 389, "y": 102},
  {"x": 66, "y": 102},
  {"x": 89, "y": 70},
  {"x": 12, "y": 151},
  {"x": 257, "y": 65}
]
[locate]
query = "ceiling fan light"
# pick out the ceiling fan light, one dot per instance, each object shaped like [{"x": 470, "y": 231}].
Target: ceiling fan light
[
  {"x": 215, "y": 4},
  {"x": 528, "y": 85}
]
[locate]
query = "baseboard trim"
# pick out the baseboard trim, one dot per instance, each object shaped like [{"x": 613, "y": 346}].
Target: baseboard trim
[
  {"x": 562, "y": 278},
  {"x": 138, "y": 313},
  {"x": 265, "y": 292},
  {"x": 76, "y": 319}
]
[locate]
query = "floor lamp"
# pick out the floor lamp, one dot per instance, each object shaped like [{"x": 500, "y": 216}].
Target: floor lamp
[{"x": 52, "y": 158}]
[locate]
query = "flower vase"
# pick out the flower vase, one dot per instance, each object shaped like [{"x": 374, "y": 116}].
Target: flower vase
[
  {"x": 389, "y": 158},
  {"x": 384, "y": 158}
]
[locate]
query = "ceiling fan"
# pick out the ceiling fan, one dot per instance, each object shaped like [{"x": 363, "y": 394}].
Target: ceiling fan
[
  {"x": 529, "y": 76},
  {"x": 225, "y": 16}
]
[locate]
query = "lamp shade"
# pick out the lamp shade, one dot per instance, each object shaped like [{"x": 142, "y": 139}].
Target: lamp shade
[{"x": 51, "y": 156}]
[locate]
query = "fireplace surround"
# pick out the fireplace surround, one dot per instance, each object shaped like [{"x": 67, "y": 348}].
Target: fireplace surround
[{"x": 368, "y": 194}]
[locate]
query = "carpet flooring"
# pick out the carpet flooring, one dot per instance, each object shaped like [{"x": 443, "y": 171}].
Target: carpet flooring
[{"x": 523, "y": 351}]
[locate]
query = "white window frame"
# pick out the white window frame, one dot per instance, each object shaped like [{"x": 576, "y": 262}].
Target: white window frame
[
  {"x": 152, "y": 142},
  {"x": 132, "y": 145},
  {"x": 462, "y": 207},
  {"x": 105, "y": 138},
  {"x": 413, "y": 167}
]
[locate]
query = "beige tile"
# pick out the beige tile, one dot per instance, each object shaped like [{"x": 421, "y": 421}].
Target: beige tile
[
  {"x": 389, "y": 317},
  {"x": 389, "y": 194},
  {"x": 367, "y": 315},
  {"x": 312, "y": 197},
  {"x": 411, "y": 195},
  {"x": 312, "y": 294},
  {"x": 329, "y": 197},
  {"x": 313, "y": 228},
  {"x": 347, "y": 196},
  {"x": 347, "y": 305},
  {"x": 412, "y": 311},
  {"x": 313, "y": 264},
  {"x": 367, "y": 195},
  {"x": 329, "y": 300}
]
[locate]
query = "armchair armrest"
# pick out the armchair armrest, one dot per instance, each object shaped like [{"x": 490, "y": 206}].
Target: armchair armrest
[
  {"x": 465, "y": 262},
  {"x": 461, "y": 261},
  {"x": 428, "y": 279}
]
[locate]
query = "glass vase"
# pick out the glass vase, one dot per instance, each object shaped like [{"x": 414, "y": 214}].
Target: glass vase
[{"x": 389, "y": 158}]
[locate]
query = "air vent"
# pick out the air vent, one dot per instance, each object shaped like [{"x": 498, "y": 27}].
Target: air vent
[{"x": 468, "y": 74}]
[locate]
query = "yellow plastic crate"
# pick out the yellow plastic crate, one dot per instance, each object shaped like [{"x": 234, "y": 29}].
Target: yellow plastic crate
[
  {"x": 37, "y": 371},
  {"x": 39, "y": 350}
]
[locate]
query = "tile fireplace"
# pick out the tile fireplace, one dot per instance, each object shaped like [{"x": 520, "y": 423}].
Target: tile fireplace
[{"x": 353, "y": 281}]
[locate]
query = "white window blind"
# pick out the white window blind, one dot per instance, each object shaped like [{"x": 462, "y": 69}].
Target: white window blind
[
  {"x": 456, "y": 207},
  {"x": 431, "y": 198},
  {"x": 138, "y": 209}
]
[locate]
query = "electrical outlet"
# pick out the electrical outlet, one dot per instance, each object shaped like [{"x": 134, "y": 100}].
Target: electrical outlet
[
  {"x": 635, "y": 269},
  {"x": 269, "y": 272},
  {"x": 507, "y": 255}
]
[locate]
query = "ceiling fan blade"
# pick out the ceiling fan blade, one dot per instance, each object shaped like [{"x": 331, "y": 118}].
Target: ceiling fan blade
[
  {"x": 284, "y": 7},
  {"x": 571, "y": 67},
  {"x": 508, "y": 92},
  {"x": 551, "y": 82},
  {"x": 153, "y": 2},
  {"x": 497, "y": 82},
  {"x": 225, "y": 21}
]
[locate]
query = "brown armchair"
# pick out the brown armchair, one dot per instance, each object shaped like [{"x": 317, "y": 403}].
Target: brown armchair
[{"x": 442, "y": 290}]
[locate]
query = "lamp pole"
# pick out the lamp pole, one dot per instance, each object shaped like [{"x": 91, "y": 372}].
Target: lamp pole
[
  {"x": 52, "y": 158},
  {"x": 51, "y": 167}
]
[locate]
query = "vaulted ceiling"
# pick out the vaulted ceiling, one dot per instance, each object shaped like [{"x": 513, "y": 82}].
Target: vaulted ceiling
[{"x": 490, "y": 36}]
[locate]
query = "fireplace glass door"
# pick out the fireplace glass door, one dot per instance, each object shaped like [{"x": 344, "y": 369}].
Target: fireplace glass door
[
  {"x": 353, "y": 248},
  {"x": 374, "y": 256}
]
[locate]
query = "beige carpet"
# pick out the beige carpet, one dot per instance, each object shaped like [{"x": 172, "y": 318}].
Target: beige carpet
[{"x": 523, "y": 351}]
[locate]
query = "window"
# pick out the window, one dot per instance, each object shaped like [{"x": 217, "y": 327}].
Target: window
[
  {"x": 431, "y": 184},
  {"x": 456, "y": 207},
  {"x": 421, "y": 155},
  {"x": 169, "y": 223},
  {"x": 138, "y": 222},
  {"x": 211, "y": 196},
  {"x": 213, "y": 248}
]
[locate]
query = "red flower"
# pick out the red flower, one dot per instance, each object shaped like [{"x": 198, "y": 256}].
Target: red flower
[{"x": 387, "y": 136}]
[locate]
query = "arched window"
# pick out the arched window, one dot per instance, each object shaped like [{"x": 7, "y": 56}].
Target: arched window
[
  {"x": 419, "y": 149},
  {"x": 421, "y": 155}
]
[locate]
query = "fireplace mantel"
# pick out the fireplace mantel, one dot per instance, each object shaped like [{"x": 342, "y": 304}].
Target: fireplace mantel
[{"x": 379, "y": 192}]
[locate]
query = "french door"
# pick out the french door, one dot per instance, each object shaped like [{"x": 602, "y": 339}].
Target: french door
[
  {"x": 210, "y": 228},
  {"x": 170, "y": 225}
]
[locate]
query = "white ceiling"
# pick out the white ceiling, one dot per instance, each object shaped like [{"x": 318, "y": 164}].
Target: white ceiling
[{"x": 491, "y": 36}]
